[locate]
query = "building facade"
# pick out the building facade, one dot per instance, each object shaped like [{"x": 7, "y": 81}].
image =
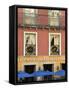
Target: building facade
[{"x": 41, "y": 41}]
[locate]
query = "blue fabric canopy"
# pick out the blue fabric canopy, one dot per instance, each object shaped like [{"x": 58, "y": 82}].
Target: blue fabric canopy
[
  {"x": 23, "y": 74},
  {"x": 60, "y": 73},
  {"x": 40, "y": 73}
]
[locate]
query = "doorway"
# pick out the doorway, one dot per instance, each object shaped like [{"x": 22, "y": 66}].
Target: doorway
[
  {"x": 29, "y": 69},
  {"x": 48, "y": 67},
  {"x": 63, "y": 66}
]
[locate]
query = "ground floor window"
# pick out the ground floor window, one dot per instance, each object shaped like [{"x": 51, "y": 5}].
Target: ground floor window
[
  {"x": 48, "y": 67},
  {"x": 30, "y": 43},
  {"x": 54, "y": 43}
]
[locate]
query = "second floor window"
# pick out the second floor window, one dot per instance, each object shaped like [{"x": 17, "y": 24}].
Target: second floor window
[
  {"x": 30, "y": 43},
  {"x": 53, "y": 17},
  {"x": 54, "y": 43},
  {"x": 29, "y": 16}
]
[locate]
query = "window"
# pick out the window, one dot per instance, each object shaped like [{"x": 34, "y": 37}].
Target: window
[
  {"x": 29, "y": 16},
  {"x": 30, "y": 43},
  {"x": 54, "y": 43},
  {"x": 53, "y": 17}
]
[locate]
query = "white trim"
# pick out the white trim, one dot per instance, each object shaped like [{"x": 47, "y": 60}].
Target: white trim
[
  {"x": 36, "y": 42},
  {"x": 49, "y": 43}
]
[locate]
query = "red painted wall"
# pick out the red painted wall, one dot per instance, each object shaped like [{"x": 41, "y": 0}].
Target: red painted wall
[
  {"x": 63, "y": 42},
  {"x": 43, "y": 35},
  {"x": 42, "y": 17},
  {"x": 20, "y": 16},
  {"x": 62, "y": 18},
  {"x": 42, "y": 39},
  {"x": 20, "y": 42}
]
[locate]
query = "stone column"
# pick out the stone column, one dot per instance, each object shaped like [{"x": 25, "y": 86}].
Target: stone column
[
  {"x": 57, "y": 67},
  {"x": 39, "y": 68}
]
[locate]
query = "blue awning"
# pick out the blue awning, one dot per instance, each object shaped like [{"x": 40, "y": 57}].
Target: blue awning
[
  {"x": 60, "y": 73},
  {"x": 23, "y": 74},
  {"x": 40, "y": 73},
  {"x": 43, "y": 73}
]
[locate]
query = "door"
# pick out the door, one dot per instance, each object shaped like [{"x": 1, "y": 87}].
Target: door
[
  {"x": 48, "y": 67},
  {"x": 63, "y": 66},
  {"x": 29, "y": 69}
]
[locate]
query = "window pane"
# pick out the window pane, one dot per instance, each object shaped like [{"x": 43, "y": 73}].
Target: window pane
[
  {"x": 54, "y": 44},
  {"x": 29, "y": 12},
  {"x": 53, "y": 17},
  {"x": 29, "y": 20},
  {"x": 30, "y": 44},
  {"x": 29, "y": 16},
  {"x": 54, "y": 21}
]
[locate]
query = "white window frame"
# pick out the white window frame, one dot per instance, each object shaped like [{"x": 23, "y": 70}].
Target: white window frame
[
  {"x": 50, "y": 43},
  {"x": 36, "y": 42}
]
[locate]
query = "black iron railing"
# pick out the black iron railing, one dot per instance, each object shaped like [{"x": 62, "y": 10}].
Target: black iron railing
[{"x": 40, "y": 26}]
